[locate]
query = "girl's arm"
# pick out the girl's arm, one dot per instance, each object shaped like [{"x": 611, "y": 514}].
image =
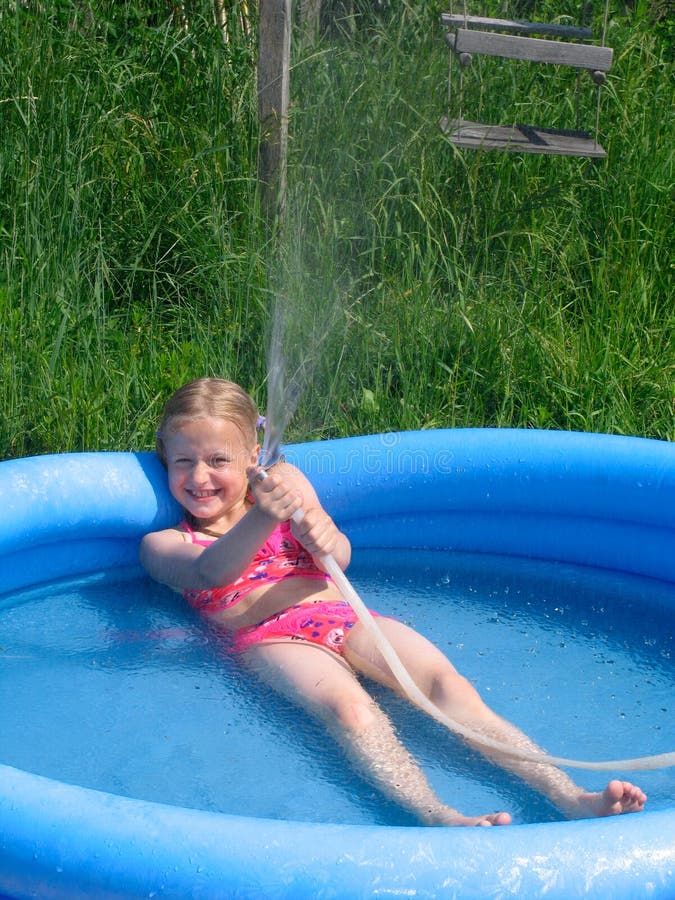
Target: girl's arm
[{"x": 171, "y": 560}]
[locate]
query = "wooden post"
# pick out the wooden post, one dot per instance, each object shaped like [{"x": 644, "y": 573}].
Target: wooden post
[
  {"x": 310, "y": 19},
  {"x": 274, "y": 55}
]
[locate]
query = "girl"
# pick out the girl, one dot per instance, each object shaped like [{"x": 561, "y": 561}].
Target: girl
[{"x": 238, "y": 559}]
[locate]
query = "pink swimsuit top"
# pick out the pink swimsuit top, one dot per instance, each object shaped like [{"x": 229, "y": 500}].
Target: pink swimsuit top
[{"x": 281, "y": 556}]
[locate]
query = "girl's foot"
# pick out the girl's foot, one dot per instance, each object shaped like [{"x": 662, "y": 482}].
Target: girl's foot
[
  {"x": 450, "y": 817},
  {"x": 617, "y": 798}
]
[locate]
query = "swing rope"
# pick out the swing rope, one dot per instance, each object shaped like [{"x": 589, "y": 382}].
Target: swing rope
[{"x": 603, "y": 43}]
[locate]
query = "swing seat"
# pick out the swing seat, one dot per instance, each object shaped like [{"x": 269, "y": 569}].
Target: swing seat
[
  {"x": 512, "y": 39},
  {"x": 520, "y": 139}
]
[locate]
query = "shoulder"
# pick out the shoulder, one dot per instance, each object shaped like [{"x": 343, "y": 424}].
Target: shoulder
[
  {"x": 167, "y": 537},
  {"x": 165, "y": 554}
]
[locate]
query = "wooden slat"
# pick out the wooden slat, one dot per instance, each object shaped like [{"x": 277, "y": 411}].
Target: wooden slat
[
  {"x": 520, "y": 139},
  {"x": 581, "y": 56},
  {"x": 513, "y": 26}
]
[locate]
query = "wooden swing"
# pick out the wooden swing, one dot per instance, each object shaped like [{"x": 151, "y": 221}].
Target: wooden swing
[{"x": 561, "y": 45}]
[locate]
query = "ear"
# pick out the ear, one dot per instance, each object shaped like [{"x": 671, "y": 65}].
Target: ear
[{"x": 255, "y": 455}]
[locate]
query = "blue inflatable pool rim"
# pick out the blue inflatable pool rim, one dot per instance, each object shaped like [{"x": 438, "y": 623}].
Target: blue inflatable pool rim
[{"x": 596, "y": 500}]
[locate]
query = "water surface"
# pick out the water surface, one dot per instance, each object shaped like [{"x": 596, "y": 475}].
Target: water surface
[{"x": 110, "y": 682}]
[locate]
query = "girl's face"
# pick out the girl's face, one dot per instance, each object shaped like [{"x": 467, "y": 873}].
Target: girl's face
[{"x": 206, "y": 463}]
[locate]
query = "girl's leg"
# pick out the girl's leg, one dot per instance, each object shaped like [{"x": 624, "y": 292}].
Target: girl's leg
[
  {"x": 457, "y": 698},
  {"x": 326, "y": 687}
]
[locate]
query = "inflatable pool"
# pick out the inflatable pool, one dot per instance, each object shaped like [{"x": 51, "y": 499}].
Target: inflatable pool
[{"x": 588, "y": 500}]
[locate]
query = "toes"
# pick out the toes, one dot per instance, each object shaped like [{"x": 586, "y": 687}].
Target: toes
[
  {"x": 623, "y": 796},
  {"x": 616, "y": 790},
  {"x": 496, "y": 819},
  {"x": 503, "y": 819}
]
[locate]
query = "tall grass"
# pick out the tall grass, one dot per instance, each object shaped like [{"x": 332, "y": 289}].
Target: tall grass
[
  {"x": 477, "y": 289},
  {"x": 495, "y": 289}
]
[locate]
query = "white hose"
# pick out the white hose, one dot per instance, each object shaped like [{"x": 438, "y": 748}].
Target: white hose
[{"x": 416, "y": 696}]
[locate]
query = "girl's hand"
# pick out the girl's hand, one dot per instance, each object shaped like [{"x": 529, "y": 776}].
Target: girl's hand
[
  {"x": 317, "y": 532},
  {"x": 272, "y": 496}
]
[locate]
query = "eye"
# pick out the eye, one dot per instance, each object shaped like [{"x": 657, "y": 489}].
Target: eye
[{"x": 218, "y": 461}]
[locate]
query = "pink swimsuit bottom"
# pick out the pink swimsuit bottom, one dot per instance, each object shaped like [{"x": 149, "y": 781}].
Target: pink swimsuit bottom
[{"x": 326, "y": 623}]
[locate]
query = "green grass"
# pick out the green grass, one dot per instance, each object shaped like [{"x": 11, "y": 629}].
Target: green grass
[{"x": 474, "y": 289}]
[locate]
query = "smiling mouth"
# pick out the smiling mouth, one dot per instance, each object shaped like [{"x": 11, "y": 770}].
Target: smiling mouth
[{"x": 203, "y": 495}]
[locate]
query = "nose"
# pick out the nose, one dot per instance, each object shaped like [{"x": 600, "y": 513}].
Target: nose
[{"x": 200, "y": 472}]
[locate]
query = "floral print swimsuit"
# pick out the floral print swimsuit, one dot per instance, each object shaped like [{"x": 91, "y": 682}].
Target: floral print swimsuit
[{"x": 282, "y": 556}]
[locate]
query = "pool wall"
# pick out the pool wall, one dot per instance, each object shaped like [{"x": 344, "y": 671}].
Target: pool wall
[{"x": 586, "y": 499}]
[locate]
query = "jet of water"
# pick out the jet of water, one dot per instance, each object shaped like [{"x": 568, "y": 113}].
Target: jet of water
[
  {"x": 305, "y": 316},
  {"x": 287, "y": 375}
]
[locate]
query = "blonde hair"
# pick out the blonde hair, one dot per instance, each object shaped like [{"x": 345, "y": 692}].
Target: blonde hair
[{"x": 214, "y": 398}]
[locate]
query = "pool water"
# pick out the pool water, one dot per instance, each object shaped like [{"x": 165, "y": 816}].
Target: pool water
[{"x": 111, "y": 682}]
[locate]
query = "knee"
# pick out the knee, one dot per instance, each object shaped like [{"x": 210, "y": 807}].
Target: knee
[
  {"x": 456, "y": 690},
  {"x": 353, "y": 714}
]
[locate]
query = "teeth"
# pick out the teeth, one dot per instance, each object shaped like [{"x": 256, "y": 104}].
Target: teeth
[{"x": 200, "y": 495}]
